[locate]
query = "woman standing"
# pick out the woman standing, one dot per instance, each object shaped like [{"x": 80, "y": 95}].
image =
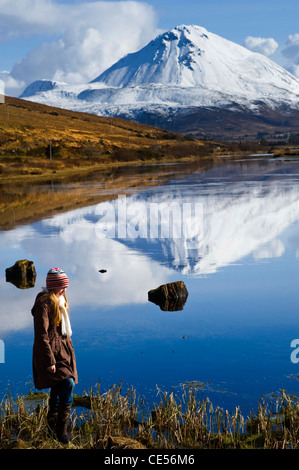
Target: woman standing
[{"x": 54, "y": 362}]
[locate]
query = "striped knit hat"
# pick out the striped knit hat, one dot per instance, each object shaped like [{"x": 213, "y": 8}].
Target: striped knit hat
[{"x": 56, "y": 279}]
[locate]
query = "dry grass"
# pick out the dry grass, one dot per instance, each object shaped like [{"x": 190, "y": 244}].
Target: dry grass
[
  {"x": 38, "y": 140},
  {"x": 116, "y": 420},
  {"x": 42, "y": 144}
]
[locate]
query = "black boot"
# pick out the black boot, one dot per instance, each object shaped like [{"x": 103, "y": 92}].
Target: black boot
[
  {"x": 62, "y": 424},
  {"x": 52, "y": 419}
]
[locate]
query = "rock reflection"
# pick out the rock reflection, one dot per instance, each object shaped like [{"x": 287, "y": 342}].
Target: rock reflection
[
  {"x": 170, "y": 297},
  {"x": 170, "y": 305}
]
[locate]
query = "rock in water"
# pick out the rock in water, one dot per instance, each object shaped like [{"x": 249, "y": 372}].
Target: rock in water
[
  {"x": 22, "y": 274},
  {"x": 170, "y": 297}
]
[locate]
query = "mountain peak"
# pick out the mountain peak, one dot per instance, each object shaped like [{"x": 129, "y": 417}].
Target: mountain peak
[
  {"x": 184, "y": 30},
  {"x": 182, "y": 69},
  {"x": 189, "y": 29},
  {"x": 162, "y": 61},
  {"x": 190, "y": 56}
]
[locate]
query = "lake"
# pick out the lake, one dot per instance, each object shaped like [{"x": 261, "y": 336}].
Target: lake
[{"x": 230, "y": 232}]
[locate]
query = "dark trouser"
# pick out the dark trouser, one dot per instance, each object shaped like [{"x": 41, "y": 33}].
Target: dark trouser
[{"x": 61, "y": 394}]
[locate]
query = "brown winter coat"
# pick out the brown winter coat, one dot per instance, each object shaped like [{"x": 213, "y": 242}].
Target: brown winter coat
[{"x": 50, "y": 348}]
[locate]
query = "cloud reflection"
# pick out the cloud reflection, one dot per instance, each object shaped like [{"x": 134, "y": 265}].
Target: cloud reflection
[
  {"x": 240, "y": 219},
  {"x": 76, "y": 248}
]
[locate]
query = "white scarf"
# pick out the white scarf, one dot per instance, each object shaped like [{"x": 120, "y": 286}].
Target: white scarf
[{"x": 65, "y": 319}]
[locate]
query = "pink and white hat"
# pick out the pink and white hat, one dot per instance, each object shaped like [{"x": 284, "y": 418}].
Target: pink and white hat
[{"x": 56, "y": 279}]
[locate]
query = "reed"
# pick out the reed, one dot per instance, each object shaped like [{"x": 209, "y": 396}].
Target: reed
[{"x": 114, "y": 419}]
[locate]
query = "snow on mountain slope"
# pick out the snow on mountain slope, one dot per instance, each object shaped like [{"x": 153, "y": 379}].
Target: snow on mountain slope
[
  {"x": 40, "y": 86},
  {"x": 185, "y": 67},
  {"x": 190, "y": 56}
]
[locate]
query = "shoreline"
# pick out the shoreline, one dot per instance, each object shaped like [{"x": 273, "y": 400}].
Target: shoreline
[
  {"x": 45, "y": 146},
  {"x": 68, "y": 169},
  {"x": 29, "y": 198},
  {"x": 120, "y": 421},
  {"x": 85, "y": 169}
]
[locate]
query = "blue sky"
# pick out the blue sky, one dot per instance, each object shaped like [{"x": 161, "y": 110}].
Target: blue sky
[
  {"x": 75, "y": 40},
  {"x": 233, "y": 19}
]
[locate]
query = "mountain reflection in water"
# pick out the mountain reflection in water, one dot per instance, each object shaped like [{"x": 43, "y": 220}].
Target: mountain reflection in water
[{"x": 242, "y": 311}]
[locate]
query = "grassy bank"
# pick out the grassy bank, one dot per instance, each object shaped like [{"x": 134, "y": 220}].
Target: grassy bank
[
  {"x": 113, "y": 420},
  {"x": 42, "y": 148},
  {"x": 38, "y": 142},
  {"x": 51, "y": 146}
]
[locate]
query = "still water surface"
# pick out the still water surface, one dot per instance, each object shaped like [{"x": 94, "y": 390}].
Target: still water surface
[{"x": 235, "y": 331}]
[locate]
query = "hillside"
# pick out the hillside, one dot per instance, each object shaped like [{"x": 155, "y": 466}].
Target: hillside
[
  {"x": 42, "y": 144},
  {"x": 73, "y": 153},
  {"x": 39, "y": 140}
]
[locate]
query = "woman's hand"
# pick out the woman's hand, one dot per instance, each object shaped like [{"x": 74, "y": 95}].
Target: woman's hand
[{"x": 52, "y": 369}]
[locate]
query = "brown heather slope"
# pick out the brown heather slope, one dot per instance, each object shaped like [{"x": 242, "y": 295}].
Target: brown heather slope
[
  {"x": 42, "y": 147},
  {"x": 42, "y": 144},
  {"x": 37, "y": 141}
]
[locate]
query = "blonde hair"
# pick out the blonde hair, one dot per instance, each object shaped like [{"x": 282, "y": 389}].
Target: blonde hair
[{"x": 54, "y": 303}]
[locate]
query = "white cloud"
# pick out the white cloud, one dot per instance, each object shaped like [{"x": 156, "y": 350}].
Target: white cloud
[
  {"x": 23, "y": 17},
  {"x": 10, "y": 86},
  {"x": 291, "y": 53},
  {"x": 292, "y": 46},
  {"x": 265, "y": 46},
  {"x": 81, "y": 39}
]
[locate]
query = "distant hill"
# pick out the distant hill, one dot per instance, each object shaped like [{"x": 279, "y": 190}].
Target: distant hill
[{"x": 36, "y": 137}]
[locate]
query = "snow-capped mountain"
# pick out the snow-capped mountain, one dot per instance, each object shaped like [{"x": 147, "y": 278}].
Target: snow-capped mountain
[
  {"x": 190, "y": 57},
  {"x": 181, "y": 70}
]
